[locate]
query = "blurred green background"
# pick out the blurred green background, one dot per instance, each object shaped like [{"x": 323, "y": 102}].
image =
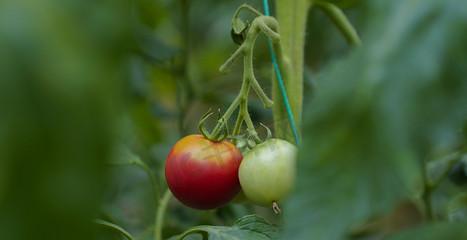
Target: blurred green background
[{"x": 89, "y": 90}]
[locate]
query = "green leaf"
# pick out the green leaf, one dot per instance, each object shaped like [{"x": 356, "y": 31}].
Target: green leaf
[
  {"x": 148, "y": 12},
  {"x": 458, "y": 172},
  {"x": 61, "y": 99},
  {"x": 434, "y": 232},
  {"x": 439, "y": 168},
  {"x": 377, "y": 114},
  {"x": 457, "y": 208},
  {"x": 153, "y": 48},
  {"x": 249, "y": 227}
]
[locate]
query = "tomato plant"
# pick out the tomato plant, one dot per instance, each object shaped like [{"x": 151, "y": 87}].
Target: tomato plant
[
  {"x": 99, "y": 103},
  {"x": 201, "y": 173}
]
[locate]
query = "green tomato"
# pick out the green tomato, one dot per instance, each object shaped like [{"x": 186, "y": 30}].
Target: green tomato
[{"x": 267, "y": 172}]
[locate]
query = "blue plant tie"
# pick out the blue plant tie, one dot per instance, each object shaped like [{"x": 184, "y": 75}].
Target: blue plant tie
[{"x": 280, "y": 82}]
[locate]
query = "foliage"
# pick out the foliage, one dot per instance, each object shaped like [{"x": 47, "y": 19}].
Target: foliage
[
  {"x": 60, "y": 101},
  {"x": 93, "y": 94},
  {"x": 247, "y": 227},
  {"x": 378, "y": 115}
]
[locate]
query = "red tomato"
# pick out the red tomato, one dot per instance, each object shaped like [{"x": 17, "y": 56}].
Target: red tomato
[{"x": 201, "y": 173}]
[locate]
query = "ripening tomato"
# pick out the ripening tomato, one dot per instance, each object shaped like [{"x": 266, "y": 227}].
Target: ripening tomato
[
  {"x": 267, "y": 171},
  {"x": 201, "y": 173}
]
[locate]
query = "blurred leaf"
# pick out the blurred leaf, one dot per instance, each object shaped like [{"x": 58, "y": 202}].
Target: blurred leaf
[
  {"x": 153, "y": 48},
  {"x": 344, "y": 3},
  {"x": 376, "y": 115},
  {"x": 438, "y": 169},
  {"x": 145, "y": 126},
  {"x": 138, "y": 77},
  {"x": 405, "y": 215},
  {"x": 60, "y": 98},
  {"x": 126, "y": 157},
  {"x": 457, "y": 208},
  {"x": 438, "y": 231},
  {"x": 249, "y": 227},
  {"x": 458, "y": 172},
  {"x": 148, "y": 11}
]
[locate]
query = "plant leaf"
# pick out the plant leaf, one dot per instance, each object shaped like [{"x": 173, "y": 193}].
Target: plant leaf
[
  {"x": 249, "y": 227},
  {"x": 377, "y": 114},
  {"x": 457, "y": 208}
]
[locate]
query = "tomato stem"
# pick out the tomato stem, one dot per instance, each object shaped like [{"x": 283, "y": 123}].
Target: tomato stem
[
  {"x": 245, "y": 7},
  {"x": 261, "y": 24},
  {"x": 238, "y": 124}
]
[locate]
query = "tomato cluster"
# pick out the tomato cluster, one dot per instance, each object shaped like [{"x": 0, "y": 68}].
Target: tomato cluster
[{"x": 205, "y": 174}]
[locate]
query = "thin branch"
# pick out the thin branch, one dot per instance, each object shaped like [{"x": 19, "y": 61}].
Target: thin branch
[
  {"x": 268, "y": 26},
  {"x": 160, "y": 215},
  {"x": 238, "y": 124},
  {"x": 341, "y": 21},
  {"x": 267, "y": 102},
  {"x": 114, "y": 227},
  {"x": 225, "y": 118},
  {"x": 262, "y": 24},
  {"x": 228, "y": 63},
  {"x": 246, "y": 7}
]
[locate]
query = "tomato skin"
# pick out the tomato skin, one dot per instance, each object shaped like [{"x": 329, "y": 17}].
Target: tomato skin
[
  {"x": 201, "y": 173},
  {"x": 267, "y": 172}
]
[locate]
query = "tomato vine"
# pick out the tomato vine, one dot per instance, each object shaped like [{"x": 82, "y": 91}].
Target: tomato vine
[{"x": 260, "y": 24}]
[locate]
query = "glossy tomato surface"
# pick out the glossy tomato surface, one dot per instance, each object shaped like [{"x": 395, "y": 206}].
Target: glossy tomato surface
[
  {"x": 267, "y": 171},
  {"x": 203, "y": 174}
]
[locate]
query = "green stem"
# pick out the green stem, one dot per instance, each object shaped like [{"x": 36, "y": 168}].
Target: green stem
[
  {"x": 246, "y": 7},
  {"x": 269, "y": 26},
  {"x": 266, "y": 29},
  {"x": 292, "y": 16},
  {"x": 249, "y": 124},
  {"x": 152, "y": 178},
  {"x": 238, "y": 124},
  {"x": 160, "y": 215},
  {"x": 341, "y": 21},
  {"x": 260, "y": 24},
  {"x": 427, "y": 191},
  {"x": 162, "y": 203},
  {"x": 248, "y": 75},
  {"x": 114, "y": 227},
  {"x": 226, "y": 116},
  {"x": 240, "y": 51},
  {"x": 267, "y": 103}
]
